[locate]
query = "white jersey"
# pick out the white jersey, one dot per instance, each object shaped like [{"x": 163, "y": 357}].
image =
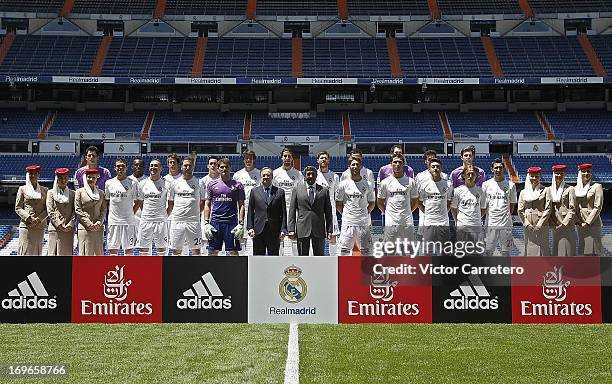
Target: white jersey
[
  {"x": 499, "y": 196},
  {"x": 249, "y": 180},
  {"x": 468, "y": 202},
  {"x": 170, "y": 179},
  {"x": 330, "y": 180},
  {"x": 419, "y": 179},
  {"x": 137, "y": 180},
  {"x": 121, "y": 196},
  {"x": 286, "y": 180},
  {"x": 365, "y": 173},
  {"x": 186, "y": 195},
  {"x": 154, "y": 196},
  {"x": 204, "y": 183},
  {"x": 355, "y": 196},
  {"x": 398, "y": 194},
  {"x": 435, "y": 197}
]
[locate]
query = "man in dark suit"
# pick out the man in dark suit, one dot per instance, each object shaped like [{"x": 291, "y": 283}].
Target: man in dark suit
[
  {"x": 310, "y": 214},
  {"x": 267, "y": 216}
]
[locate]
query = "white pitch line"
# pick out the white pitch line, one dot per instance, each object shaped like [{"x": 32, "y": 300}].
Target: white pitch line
[{"x": 292, "y": 367}]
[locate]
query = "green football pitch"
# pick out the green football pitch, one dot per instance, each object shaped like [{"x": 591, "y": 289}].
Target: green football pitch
[{"x": 240, "y": 353}]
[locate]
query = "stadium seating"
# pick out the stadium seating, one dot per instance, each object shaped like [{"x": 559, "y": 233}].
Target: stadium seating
[
  {"x": 542, "y": 56},
  {"x": 324, "y": 125},
  {"x": 443, "y": 57},
  {"x": 150, "y": 56},
  {"x": 581, "y": 124},
  {"x": 386, "y": 7},
  {"x": 297, "y": 8},
  {"x": 39, "y": 6},
  {"x": 602, "y": 167},
  {"x": 248, "y": 58},
  {"x": 566, "y": 6},
  {"x": 122, "y": 124},
  {"x": 198, "y": 126},
  {"x": 134, "y": 7},
  {"x": 13, "y": 165},
  {"x": 393, "y": 126},
  {"x": 20, "y": 124},
  {"x": 50, "y": 55},
  {"x": 494, "y": 122},
  {"x": 208, "y": 7},
  {"x": 476, "y": 7},
  {"x": 603, "y": 46}
]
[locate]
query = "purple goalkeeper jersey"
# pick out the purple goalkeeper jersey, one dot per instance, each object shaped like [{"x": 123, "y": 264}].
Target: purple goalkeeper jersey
[
  {"x": 387, "y": 170},
  {"x": 225, "y": 196},
  {"x": 104, "y": 176},
  {"x": 458, "y": 180}
]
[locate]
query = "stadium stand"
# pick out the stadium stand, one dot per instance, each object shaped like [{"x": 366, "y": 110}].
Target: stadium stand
[
  {"x": 13, "y": 165},
  {"x": 295, "y": 8},
  {"x": 39, "y": 6},
  {"x": 345, "y": 58},
  {"x": 602, "y": 44},
  {"x": 50, "y": 55},
  {"x": 542, "y": 56},
  {"x": 581, "y": 124},
  {"x": 324, "y": 124},
  {"x": 248, "y": 58},
  {"x": 494, "y": 122},
  {"x": 120, "y": 123},
  {"x": 20, "y": 124},
  {"x": 443, "y": 57},
  {"x": 602, "y": 168},
  {"x": 208, "y": 7},
  {"x": 569, "y": 6},
  {"x": 391, "y": 126},
  {"x": 386, "y": 7},
  {"x": 150, "y": 56},
  {"x": 134, "y": 7},
  {"x": 476, "y": 7},
  {"x": 186, "y": 126}
]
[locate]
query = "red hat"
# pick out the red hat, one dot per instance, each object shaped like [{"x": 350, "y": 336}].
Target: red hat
[
  {"x": 534, "y": 170},
  {"x": 559, "y": 167},
  {"x": 585, "y": 166},
  {"x": 33, "y": 168},
  {"x": 62, "y": 171},
  {"x": 91, "y": 171}
]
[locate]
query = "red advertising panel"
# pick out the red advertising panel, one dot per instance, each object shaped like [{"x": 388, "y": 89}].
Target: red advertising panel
[
  {"x": 556, "y": 290},
  {"x": 117, "y": 290},
  {"x": 387, "y": 290}
]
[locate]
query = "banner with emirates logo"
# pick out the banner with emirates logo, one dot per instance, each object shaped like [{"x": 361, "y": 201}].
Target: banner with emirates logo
[
  {"x": 372, "y": 290},
  {"x": 117, "y": 290},
  {"x": 556, "y": 290}
]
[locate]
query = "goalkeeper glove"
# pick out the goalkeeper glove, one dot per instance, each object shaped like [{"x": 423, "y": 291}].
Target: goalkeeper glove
[
  {"x": 208, "y": 230},
  {"x": 238, "y": 231}
]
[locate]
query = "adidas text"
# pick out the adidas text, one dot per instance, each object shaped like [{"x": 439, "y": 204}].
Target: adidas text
[
  {"x": 29, "y": 303},
  {"x": 471, "y": 303},
  {"x": 204, "y": 303}
]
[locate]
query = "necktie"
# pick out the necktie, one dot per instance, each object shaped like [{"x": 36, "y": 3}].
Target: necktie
[
  {"x": 267, "y": 195},
  {"x": 311, "y": 194}
]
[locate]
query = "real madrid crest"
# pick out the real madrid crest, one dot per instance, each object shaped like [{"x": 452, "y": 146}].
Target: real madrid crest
[{"x": 292, "y": 288}]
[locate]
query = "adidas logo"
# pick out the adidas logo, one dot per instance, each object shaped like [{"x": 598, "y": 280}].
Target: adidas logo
[
  {"x": 471, "y": 294},
  {"x": 29, "y": 294},
  {"x": 204, "y": 294}
]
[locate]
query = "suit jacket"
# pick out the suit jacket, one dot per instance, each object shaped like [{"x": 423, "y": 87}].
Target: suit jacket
[
  {"x": 261, "y": 212},
  {"x": 89, "y": 211},
  {"x": 564, "y": 211},
  {"x": 310, "y": 219},
  {"x": 535, "y": 212},
  {"x": 589, "y": 207},
  {"x": 60, "y": 213},
  {"x": 26, "y": 207}
]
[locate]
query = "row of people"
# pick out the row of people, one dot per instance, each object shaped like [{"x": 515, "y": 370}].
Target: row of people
[{"x": 173, "y": 207}]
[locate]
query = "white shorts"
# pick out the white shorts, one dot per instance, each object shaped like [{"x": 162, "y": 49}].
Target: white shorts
[
  {"x": 351, "y": 235},
  {"x": 121, "y": 236},
  {"x": 179, "y": 232},
  {"x": 501, "y": 236},
  {"x": 153, "y": 232}
]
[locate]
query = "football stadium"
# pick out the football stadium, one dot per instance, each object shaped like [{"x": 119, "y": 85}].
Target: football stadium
[{"x": 306, "y": 191}]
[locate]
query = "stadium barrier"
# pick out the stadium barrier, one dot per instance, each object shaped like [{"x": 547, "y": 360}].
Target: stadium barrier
[{"x": 306, "y": 289}]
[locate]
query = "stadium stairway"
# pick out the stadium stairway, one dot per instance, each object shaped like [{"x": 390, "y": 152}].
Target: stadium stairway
[
  {"x": 394, "y": 59},
  {"x": 526, "y": 8},
  {"x": 511, "y": 171},
  {"x": 160, "y": 9},
  {"x": 489, "y": 47},
  {"x": 198, "y": 57},
  {"x": 98, "y": 64},
  {"x": 343, "y": 9},
  {"x": 5, "y": 45},
  {"x": 592, "y": 55},
  {"x": 550, "y": 134},
  {"x": 251, "y": 10},
  {"x": 296, "y": 57},
  {"x": 346, "y": 126},
  {"x": 145, "y": 133},
  {"x": 434, "y": 9},
  {"x": 47, "y": 124},
  {"x": 448, "y": 132},
  {"x": 66, "y": 8},
  {"x": 248, "y": 126}
]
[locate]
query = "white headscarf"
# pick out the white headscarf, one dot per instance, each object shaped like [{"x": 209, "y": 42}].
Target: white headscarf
[
  {"x": 581, "y": 190},
  {"x": 93, "y": 194},
  {"x": 30, "y": 192},
  {"x": 60, "y": 195},
  {"x": 530, "y": 193},
  {"x": 557, "y": 193}
]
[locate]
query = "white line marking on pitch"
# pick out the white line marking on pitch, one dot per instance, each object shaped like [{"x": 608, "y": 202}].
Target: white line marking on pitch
[{"x": 292, "y": 367}]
